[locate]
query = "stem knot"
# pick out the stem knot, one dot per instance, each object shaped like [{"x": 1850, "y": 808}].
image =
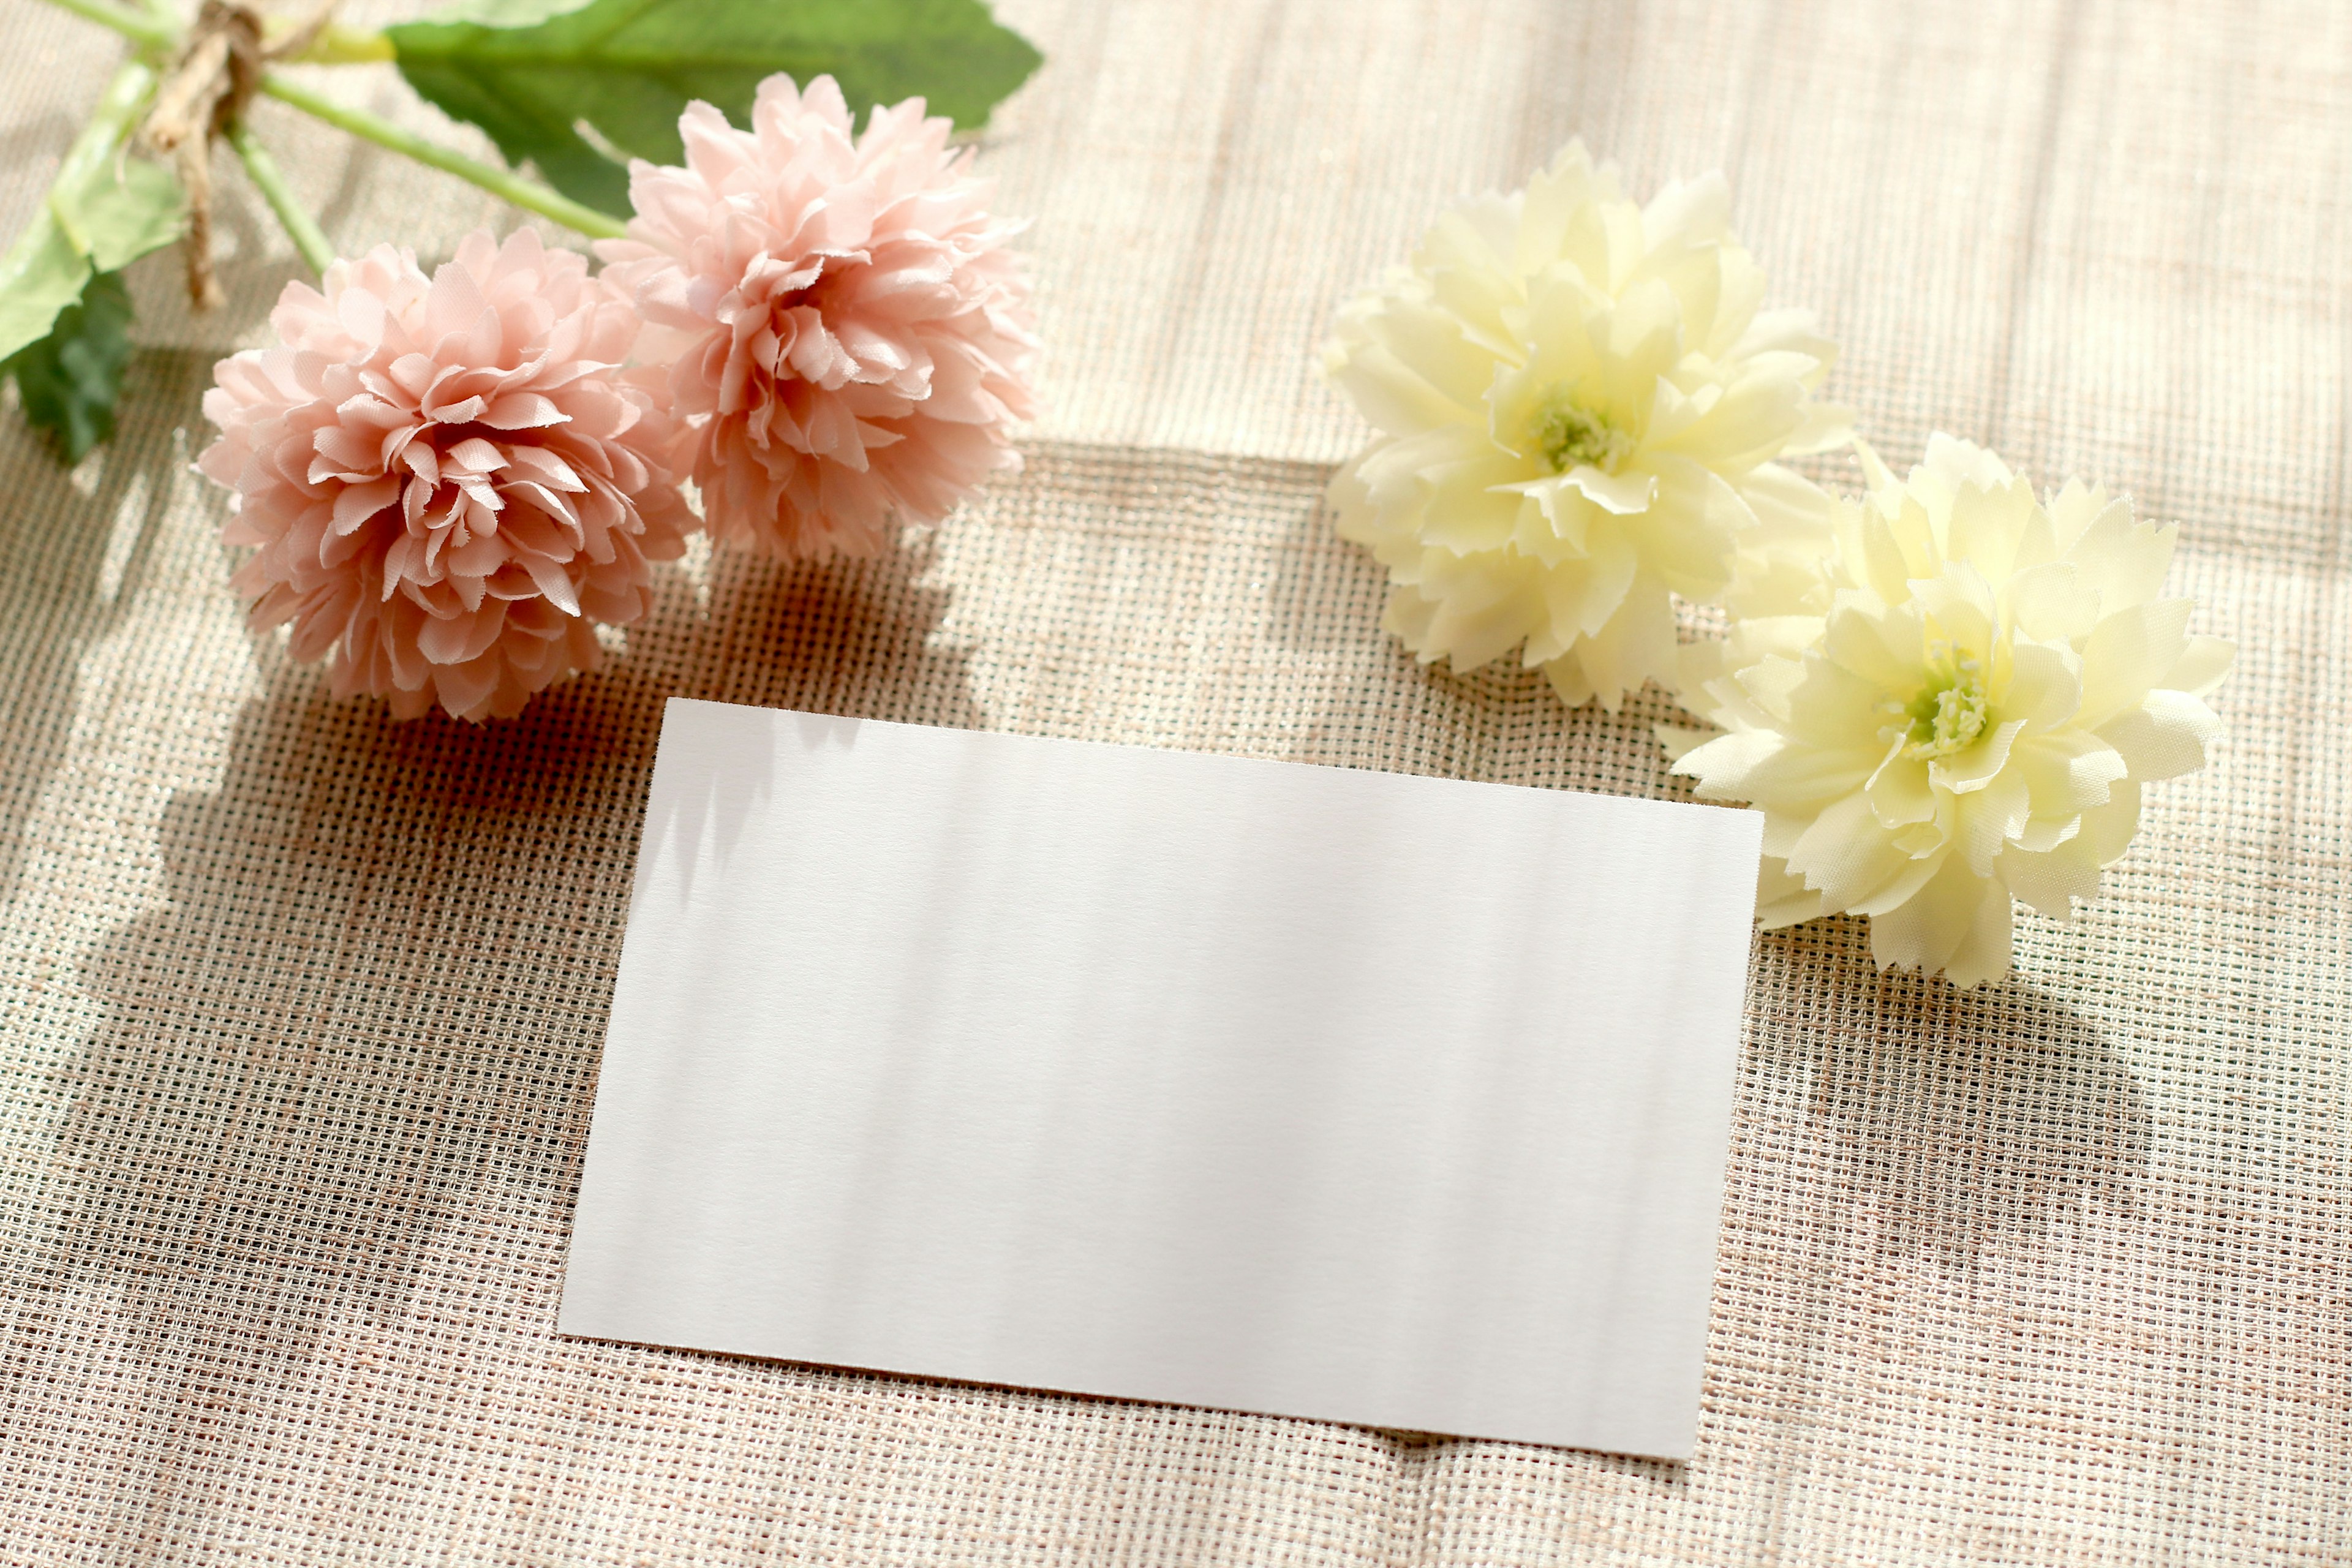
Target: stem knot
[{"x": 212, "y": 81}]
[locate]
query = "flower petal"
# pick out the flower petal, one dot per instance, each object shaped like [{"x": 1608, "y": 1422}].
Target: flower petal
[
  {"x": 1625, "y": 494},
  {"x": 1957, "y": 922},
  {"x": 389, "y": 556},
  {"x": 2128, "y": 652},
  {"x": 2166, "y": 736}
]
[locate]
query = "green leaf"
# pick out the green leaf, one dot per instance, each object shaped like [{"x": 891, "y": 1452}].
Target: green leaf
[
  {"x": 68, "y": 382},
  {"x": 61, "y": 322},
  {"x": 96, "y": 223},
  {"x": 42, "y": 275},
  {"x": 530, "y": 71},
  {"x": 119, "y": 213}
]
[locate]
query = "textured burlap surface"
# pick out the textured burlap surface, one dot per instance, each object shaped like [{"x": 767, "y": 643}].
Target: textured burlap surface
[{"x": 299, "y": 1010}]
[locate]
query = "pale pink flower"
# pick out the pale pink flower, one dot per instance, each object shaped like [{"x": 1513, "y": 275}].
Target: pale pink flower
[
  {"x": 843, "y": 327},
  {"x": 449, "y": 479}
]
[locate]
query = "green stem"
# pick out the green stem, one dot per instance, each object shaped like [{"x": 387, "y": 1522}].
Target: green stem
[
  {"x": 148, "y": 32},
  {"x": 299, "y": 226},
  {"x": 159, "y": 29},
  {"x": 499, "y": 183},
  {"x": 117, "y": 108},
  {"x": 109, "y": 122},
  {"x": 337, "y": 45}
]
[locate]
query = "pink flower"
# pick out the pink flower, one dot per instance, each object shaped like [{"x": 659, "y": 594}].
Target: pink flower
[
  {"x": 844, "y": 328},
  {"x": 449, "y": 480}
]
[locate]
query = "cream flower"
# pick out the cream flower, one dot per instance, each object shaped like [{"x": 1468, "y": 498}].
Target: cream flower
[
  {"x": 1961, "y": 707},
  {"x": 449, "y": 479},
  {"x": 1579, "y": 405}
]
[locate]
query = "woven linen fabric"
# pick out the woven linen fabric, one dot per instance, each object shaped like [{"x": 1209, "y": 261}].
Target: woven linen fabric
[{"x": 300, "y": 1009}]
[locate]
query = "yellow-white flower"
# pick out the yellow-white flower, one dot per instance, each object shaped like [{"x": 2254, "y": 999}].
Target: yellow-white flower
[
  {"x": 1961, "y": 707},
  {"x": 1579, "y": 405}
]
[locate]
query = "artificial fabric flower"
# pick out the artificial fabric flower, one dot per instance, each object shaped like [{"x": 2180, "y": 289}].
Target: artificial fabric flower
[
  {"x": 1960, "y": 709},
  {"x": 1579, "y": 406},
  {"x": 449, "y": 480},
  {"x": 842, "y": 324}
]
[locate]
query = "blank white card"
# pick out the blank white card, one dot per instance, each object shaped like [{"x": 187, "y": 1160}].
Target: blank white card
[{"x": 1351, "y": 1096}]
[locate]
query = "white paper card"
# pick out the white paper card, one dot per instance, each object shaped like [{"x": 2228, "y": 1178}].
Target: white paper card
[{"x": 1390, "y": 1100}]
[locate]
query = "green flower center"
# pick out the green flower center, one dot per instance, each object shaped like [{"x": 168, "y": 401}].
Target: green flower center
[
  {"x": 1949, "y": 713},
  {"x": 1570, "y": 434}
]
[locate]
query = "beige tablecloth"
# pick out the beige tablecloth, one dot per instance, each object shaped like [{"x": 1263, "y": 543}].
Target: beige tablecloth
[{"x": 299, "y": 1009}]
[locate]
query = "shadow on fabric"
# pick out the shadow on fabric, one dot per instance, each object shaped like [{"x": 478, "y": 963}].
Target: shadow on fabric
[
  {"x": 378, "y": 991},
  {"x": 1956, "y": 1121},
  {"x": 74, "y": 544},
  {"x": 1903, "y": 1155}
]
